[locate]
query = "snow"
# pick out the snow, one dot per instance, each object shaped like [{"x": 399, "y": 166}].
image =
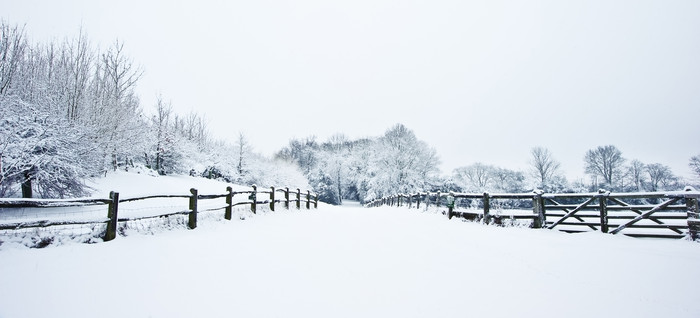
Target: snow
[{"x": 349, "y": 262}]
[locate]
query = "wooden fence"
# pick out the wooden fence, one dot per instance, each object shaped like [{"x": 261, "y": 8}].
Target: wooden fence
[
  {"x": 671, "y": 214},
  {"x": 253, "y": 200}
]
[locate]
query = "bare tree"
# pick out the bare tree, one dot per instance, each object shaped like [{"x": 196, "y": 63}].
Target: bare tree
[
  {"x": 660, "y": 176},
  {"x": 695, "y": 165},
  {"x": 161, "y": 123},
  {"x": 475, "y": 177},
  {"x": 604, "y": 161},
  {"x": 77, "y": 60},
  {"x": 12, "y": 48},
  {"x": 244, "y": 148},
  {"x": 120, "y": 106},
  {"x": 543, "y": 166},
  {"x": 635, "y": 173}
]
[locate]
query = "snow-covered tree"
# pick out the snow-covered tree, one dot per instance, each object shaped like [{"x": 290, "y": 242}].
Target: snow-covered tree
[
  {"x": 13, "y": 45},
  {"x": 368, "y": 168},
  {"x": 118, "y": 111},
  {"x": 660, "y": 177},
  {"x": 694, "y": 165},
  {"x": 480, "y": 177},
  {"x": 39, "y": 151},
  {"x": 403, "y": 164},
  {"x": 635, "y": 174},
  {"x": 605, "y": 162},
  {"x": 544, "y": 168}
]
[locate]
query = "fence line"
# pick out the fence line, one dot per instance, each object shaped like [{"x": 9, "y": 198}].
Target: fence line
[
  {"x": 191, "y": 211},
  {"x": 671, "y": 214}
]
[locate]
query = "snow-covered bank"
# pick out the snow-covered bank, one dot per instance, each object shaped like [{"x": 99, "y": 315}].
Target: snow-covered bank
[{"x": 353, "y": 262}]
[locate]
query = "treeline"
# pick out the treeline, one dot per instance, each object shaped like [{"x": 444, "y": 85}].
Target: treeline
[
  {"x": 367, "y": 168},
  {"x": 397, "y": 162},
  {"x": 69, "y": 111}
]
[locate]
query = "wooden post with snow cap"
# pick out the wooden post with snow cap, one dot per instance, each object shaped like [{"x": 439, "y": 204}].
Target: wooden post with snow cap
[
  {"x": 253, "y": 197},
  {"x": 693, "y": 213},
  {"x": 298, "y": 199},
  {"x": 316, "y": 201},
  {"x": 112, "y": 211},
  {"x": 192, "y": 222},
  {"x": 418, "y": 201},
  {"x": 286, "y": 198},
  {"x": 450, "y": 205},
  {"x": 603, "y": 206},
  {"x": 437, "y": 199},
  {"x": 538, "y": 207},
  {"x": 487, "y": 208},
  {"x": 308, "y": 199},
  {"x": 229, "y": 203},
  {"x": 272, "y": 199}
]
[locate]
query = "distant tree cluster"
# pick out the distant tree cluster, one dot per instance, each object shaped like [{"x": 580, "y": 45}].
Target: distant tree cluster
[
  {"x": 365, "y": 169},
  {"x": 609, "y": 170},
  {"x": 69, "y": 111},
  {"x": 605, "y": 165}
]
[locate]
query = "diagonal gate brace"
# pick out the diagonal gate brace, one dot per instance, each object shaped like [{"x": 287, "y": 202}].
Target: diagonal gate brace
[
  {"x": 569, "y": 214},
  {"x": 655, "y": 220},
  {"x": 645, "y": 215}
]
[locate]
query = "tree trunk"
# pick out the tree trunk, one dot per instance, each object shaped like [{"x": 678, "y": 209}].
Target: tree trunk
[{"x": 27, "y": 186}]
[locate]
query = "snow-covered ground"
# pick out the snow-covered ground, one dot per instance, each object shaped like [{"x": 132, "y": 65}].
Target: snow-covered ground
[{"x": 353, "y": 262}]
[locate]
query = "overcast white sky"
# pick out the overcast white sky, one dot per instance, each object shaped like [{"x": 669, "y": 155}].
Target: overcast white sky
[{"x": 481, "y": 81}]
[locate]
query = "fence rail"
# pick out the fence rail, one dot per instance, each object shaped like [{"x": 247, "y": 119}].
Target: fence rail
[
  {"x": 672, "y": 214},
  {"x": 253, "y": 199}
]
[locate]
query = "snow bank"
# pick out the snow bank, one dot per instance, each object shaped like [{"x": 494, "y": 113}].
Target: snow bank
[{"x": 353, "y": 262}]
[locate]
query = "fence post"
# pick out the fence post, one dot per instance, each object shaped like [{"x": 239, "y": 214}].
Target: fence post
[
  {"x": 427, "y": 200},
  {"x": 487, "y": 208},
  {"x": 308, "y": 199},
  {"x": 410, "y": 200},
  {"x": 538, "y": 207},
  {"x": 316, "y": 201},
  {"x": 192, "y": 222},
  {"x": 298, "y": 199},
  {"x": 603, "y": 210},
  {"x": 693, "y": 212},
  {"x": 286, "y": 198},
  {"x": 418, "y": 201},
  {"x": 450, "y": 205},
  {"x": 272, "y": 199},
  {"x": 437, "y": 200},
  {"x": 112, "y": 212},
  {"x": 229, "y": 203},
  {"x": 254, "y": 198}
]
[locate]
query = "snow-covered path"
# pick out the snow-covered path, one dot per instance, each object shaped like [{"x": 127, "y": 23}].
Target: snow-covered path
[{"x": 353, "y": 262}]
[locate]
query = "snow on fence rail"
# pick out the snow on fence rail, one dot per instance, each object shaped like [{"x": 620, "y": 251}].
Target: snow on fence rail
[
  {"x": 671, "y": 214},
  {"x": 95, "y": 217}
]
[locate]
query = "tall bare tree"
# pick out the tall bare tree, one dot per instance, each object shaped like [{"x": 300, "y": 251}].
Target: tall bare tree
[
  {"x": 606, "y": 162},
  {"x": 13, "y": 45},
  {"x": 78, "y": 59},
  {"x": 660, "y": 176},
  {"x": 161, "y": 124},
  {"x": 543, "y": 166},
  {"x": 635, "y": 173},
  {"x": 120, "y": 108},
  {"x": 695, "y": 165},
  {"x": 244, "y": 149}
]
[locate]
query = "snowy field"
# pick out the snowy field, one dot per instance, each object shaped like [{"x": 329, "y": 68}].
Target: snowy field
[{"x": 353, "y": 262}]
